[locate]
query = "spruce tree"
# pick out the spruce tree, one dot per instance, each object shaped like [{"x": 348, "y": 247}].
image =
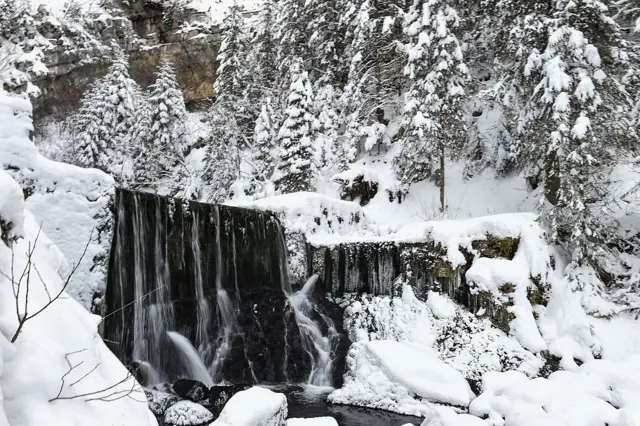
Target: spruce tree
[
  {"x": 328, "y": 122},
  {"x": 165, "y": 141},
  {"x": 230, "y": 75},
  {"x": 291, "y": 31},
  {"x": 266, "y": 47},
  {"x": 433, "y": 117},
  {"x": 222, "y": 158},
  {"x": 572, "y": 124},
  {"x": 264, "y": 138},
  {"x": 107, "y": 126},
  {"x": 294, "y": 171}
]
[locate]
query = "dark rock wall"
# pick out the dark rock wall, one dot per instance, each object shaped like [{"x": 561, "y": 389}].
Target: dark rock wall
[{"x": 267, "y": 346}]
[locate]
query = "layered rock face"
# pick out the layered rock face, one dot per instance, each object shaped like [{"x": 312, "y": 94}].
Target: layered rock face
[{"x": 81, "y": 50}]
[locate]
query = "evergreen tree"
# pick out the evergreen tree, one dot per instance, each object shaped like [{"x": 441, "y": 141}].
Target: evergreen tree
[
  {"x": 230, "y": 75},
  {"x": 328, "y": 122},
  {"x": 291, "y": 30},
  {"x": 573, "y": 124},
  {"x": 433, "y": 118},
  {"x": 266, "y": 47},
  {"x": 222, "y": 158},
  {"x": 326, "y": 40},
  {"x": 295, "y": 166},
  {"x": 165, "y": 141},
  {"x": 264, "y": 138},
  {"x": 108, "y": 124},
  {"x": 375, "y": 79}
]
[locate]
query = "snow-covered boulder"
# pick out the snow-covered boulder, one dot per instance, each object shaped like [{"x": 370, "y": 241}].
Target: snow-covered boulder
[
  {"x": 446, "y": 416},
  {"x": 187, "y": 413},
  {"x": 316, "y": 421},
  {"x": 160, "y": 401},
  {"x": 254, "y": 407},
  {"x": 11, "y": 208}
]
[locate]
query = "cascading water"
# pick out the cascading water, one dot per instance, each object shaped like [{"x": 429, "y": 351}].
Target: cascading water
[
  {"x": 203, "y": 310},
  {"x": 171, "y": 258},
  {"x": 317, "y": 345},
  {"x": 190, "y": 359},
  {"x": 226, "y": 309}
]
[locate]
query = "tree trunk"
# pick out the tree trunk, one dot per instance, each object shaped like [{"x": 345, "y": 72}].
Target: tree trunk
[
  {"x": 442, "y": 177},
  {"x": 552, "y": 178}
]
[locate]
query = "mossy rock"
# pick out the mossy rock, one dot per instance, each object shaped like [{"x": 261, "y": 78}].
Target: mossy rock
[
  {"x": 444, "y": 269},
  {"x": 507, "y": 288},
  {"x": 494, "y": 247},
  {"x": 536, "y": 297}
]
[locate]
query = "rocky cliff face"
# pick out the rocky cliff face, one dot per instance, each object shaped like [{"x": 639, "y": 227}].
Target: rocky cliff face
[{"x": 80, "y": 49}]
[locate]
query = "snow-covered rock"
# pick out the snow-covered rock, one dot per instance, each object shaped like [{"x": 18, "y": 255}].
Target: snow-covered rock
[
  {"x": 187, "y": 413},
  {"x": 160, "y": 401},
  {"x": 445, "y": 416},
  {"x": 316, "y": 421},
  {"x": 588, "y": 396},
  {"x": 254, "y": 407},
  {"x": 11, "y": 206}
]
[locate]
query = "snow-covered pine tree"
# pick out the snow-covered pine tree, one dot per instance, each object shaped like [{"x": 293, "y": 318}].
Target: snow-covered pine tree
[
  {"x": 375, "y": 80},
  {"x": 328, "y": 122},
  {"x": 291, "y": 31},
  {"x": 265, "y": 46},
  {"x": 294, "y": 171},
  {"x": 433, "y": 117},
  {"x": 109, "y": 122},
  {"x": 264, "y": 139},
  {"x": 90, "y": 146},
  {"x": 229, "y": 84},
  {"x": 165, "y": 141},
  {"x": 326, "y": 41},
  {"x": 222, "y": 157},
  {"x": 574, "y": 125}
]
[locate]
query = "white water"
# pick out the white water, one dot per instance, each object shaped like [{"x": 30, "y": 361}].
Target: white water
[
  {"x": 190, "y": 358},
  {"x": 226, "y": 309},
  {"x": 203, "y": 311},
  {"x": 314, "y": 342}
]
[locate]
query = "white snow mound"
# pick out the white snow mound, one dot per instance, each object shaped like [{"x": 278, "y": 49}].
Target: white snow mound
[
  {"x": 316, "y": 421},
  {"x": 187, "y": 413},
  {"x": 254, "y": 407}
]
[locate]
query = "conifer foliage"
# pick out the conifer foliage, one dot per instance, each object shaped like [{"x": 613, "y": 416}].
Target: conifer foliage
[
  {"x": 106, "y": 127},
  {"x": 295, "y": 157},
  {"x": 166, "y": 137},
  {"x": 433, "y": 119}
]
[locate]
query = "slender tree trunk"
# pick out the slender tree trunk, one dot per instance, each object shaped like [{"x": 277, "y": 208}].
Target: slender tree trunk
[
  {"x": 442, "y": 177},
  {"x": 552, "y": 178}
]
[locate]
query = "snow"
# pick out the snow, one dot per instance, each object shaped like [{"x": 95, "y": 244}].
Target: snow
[
  {"x": 58, "y": 371},
  {"x": 380, "y": 377},
  {"x": 71, "y": 203},
  {"x": 254, "y": 407},
  {"x": 217, "y": 9},
  {"x": 317, "y": 421},
  {"x": 420, "y": 371},
  {"x": 587, "y": 396},
  {"x": 11, "y": 206},
  {"x": 446, "y": 416},
  {"x": 187, "y": 413}
]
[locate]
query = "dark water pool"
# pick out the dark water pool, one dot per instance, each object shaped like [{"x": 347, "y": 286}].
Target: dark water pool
[{"x": 312, "y": 402}]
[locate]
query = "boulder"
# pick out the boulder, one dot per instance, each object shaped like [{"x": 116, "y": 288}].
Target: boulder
[
  {"x": 192, "y": 390},
  {"x": 254, "y": 407},
  {"x": 316, "y": 421},
  {"x": 220, "y": 395},
  {"x": 159, "y": 401},
  {"x": 187, "y": 413}
]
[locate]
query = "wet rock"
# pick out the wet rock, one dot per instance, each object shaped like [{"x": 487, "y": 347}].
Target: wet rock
[
  {"x": 192, "y": 390},
  {"x": 159, "y": 402},
  {"x": 219, "y": 395},
  {"x": 187, "y": 413}
]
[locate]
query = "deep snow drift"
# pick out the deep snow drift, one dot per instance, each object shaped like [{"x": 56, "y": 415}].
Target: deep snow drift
[{"x": 58, "y": 371}]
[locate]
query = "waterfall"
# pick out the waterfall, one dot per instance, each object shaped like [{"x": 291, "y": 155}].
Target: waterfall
[
  {"x": 317, "y": 345},
  {"x": 171, "y": 258},
  {"x": 203, "y": 311},
  {"x": 226, "y": 310},
  {"x": 190, "y": 358}
]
